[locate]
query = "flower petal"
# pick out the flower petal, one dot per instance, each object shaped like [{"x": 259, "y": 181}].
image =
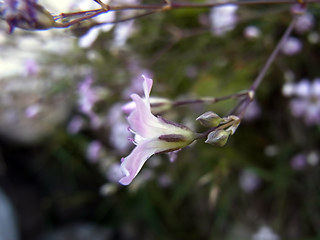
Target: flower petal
[
  {"x": 141, "y": 120},
  {"x": 147, "y": 85},
  {"x": 133, "y": 163}
]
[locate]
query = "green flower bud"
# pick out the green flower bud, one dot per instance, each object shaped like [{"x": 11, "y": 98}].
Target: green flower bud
[
  {"x": 209, "y": 119},
  {"x": 218, "y": 138}
]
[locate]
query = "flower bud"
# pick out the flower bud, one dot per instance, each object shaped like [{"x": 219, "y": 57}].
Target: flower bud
[
  {"x": 158, "y": 105},
  {"x": 218, "y": 138},
  {"x": 209, "y": 119}
]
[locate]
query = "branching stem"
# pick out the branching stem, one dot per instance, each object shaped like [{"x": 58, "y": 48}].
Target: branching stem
[{"x": 168, "y": 5}]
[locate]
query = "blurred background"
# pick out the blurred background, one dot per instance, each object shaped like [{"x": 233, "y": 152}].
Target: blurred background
[{"x": 62, "y": 131}]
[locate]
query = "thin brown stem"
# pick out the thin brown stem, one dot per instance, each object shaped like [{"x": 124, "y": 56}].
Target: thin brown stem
[
  {"x": 163, "y": 7},
  {"x": 210, "y": 100}
]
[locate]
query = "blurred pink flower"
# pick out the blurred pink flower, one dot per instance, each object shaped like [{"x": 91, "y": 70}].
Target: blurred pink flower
[
  {"x": 252, "y": 32},
  {"x": 304, "y": 23},
  {"x": 292, "y": 46},
  {"x": 94, "y": 151},
  {"x": 88, "y": 97},
  {"x": 298, "y": 161},
  {"x": 306, "y": 101},
  {"x": 152, "y": 135},
  {"x": 223, "y": 19}
]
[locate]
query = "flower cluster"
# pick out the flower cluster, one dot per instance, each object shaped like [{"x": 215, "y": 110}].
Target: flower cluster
[
  {"x": 25, "y": 14},
  {"x": 306, "y": 100}
]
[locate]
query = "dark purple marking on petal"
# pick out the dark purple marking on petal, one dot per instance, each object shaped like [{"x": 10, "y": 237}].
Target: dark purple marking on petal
[{"x": 173, "y": 138}]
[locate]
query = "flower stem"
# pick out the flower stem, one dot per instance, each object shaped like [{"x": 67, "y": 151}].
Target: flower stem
[
  {"x": 210, "y": 100},
  {"x": 168, "y": 5}
]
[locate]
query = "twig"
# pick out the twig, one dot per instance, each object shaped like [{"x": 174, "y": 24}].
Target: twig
[{"x": 163, "y": 7}]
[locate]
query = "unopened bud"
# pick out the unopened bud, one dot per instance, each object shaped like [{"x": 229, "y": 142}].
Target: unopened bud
[
  {"x": 209, "y": 119},
  {"x": 235, "y": 120},
  {"x": 158, "y": 105},
  {"x": 44, "y": 19},
  {"x": 232, "y": 129},
  {"x": 218, "y": 138}
]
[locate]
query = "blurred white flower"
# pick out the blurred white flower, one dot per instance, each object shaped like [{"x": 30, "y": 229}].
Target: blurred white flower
[
  {"x": 252, "y": 32},
  {"x": 265, "y": 233},
  {"x": 75, "y": 125},
  {"x": 306, "y": 101},
  {"x": 223, "y": 19},
  {"x": 118, "y": 129},
  {"x": 94, "y": 151},
  {"x": 32, "y": 110},
  {"x": 288, "y": 89},
  {"x": 292, "y": 46},
  {"x": 313, "y": 37},
  {"x": 304, "y": 23},
  {"x": 108, "y": 189},
  {"x": 122, "y": 32},
  {"x": 252, "y": 112},
  {"x": 87, "y": 40},
  {"x": 298, "y": 161},
  {"x": 114, "y": 173},
  {"x": 313, "y": 158},
  {"x": 249, "y": 181}
]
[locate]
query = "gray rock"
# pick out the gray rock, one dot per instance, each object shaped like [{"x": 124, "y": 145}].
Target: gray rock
[
  {"x": 8, "y": 226},
  {"x": 35, "y": 85},
  {"x": 80, "y": 231}
]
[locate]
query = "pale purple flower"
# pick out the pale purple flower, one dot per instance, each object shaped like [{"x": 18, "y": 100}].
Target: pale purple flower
[
  {"x": 114, "y": 173},
  {"x": 252, "y": 112},
  {"x": 118, "y": 132},
  {"x": 88, "y": 39},
  {"x": 135, "y": 83},
  {"x": 223, "y": 19},
  {"x": 32, "y": 110},
  {"x": 292, "y": 46},
  {"x": 252, "y": 32},
  {"x": 31, "y": 67},
  {"x": 94, "y": 150},
  {"x": 164, "y": 180},
  {"x": 298, "y": 162},
  {"x": 298, "y": 9},
  {"x": 249, "y": 181},
  {"x": 118, "y": 129},
  {"x": 152, "y": 135},
  {"x": 306, "y": 103},
  {"x": 75, "y": 125},
  {"x": 304, "y": 23},
  {"x": 88, "y": 97},
  {"x": 265, "y": 233},
  {"x": 288, "y": 89}
]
